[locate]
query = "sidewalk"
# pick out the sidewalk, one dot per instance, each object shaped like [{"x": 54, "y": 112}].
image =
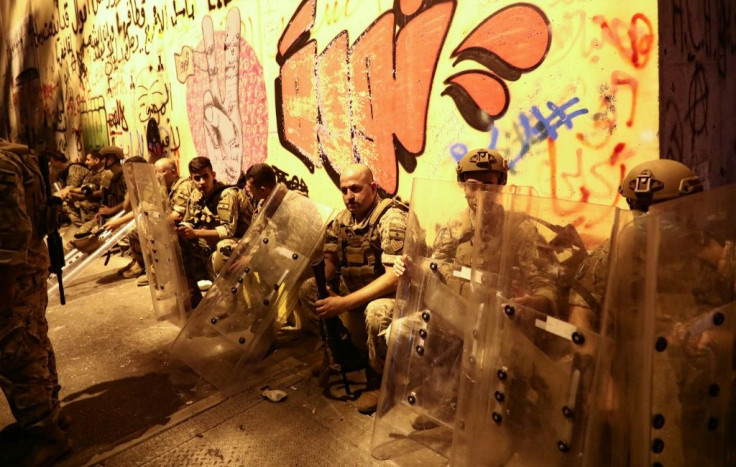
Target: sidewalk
[{"x": 132, "y": 403}]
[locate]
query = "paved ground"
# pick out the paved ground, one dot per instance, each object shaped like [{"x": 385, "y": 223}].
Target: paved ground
[{"x": 132, "y": 403}]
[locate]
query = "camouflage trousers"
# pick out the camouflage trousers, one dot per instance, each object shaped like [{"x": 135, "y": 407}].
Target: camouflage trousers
[
  {"x": 367, "y": 324},
  {"x": 196, "y": 256},
  {"x": 27, "y": 363},
  {"x": 136, "y": 251}
]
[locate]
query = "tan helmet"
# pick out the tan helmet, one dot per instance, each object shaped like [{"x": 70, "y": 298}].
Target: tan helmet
[
  {"x": 656, "y": 181},
  {"x": 483, "y": 160}
]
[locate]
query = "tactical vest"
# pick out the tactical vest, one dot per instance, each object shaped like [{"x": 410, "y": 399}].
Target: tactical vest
[{"x": 359, "y": 251}]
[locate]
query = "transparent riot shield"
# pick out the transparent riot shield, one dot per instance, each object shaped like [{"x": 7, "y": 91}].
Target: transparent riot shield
[
  {"x": 159, "y": 243},
  {"x": 76, "y": 260},
  {"x": 236, "y": 322},
  {"x": 673, "y": 320},
  {"x": 532, "y": 340},
  {"x": 416, "y": 410}
]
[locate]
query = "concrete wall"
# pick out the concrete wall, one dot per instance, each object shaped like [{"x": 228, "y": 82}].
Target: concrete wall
[
  {"x": 566, "y": 89},
  {"x": 698, "y": 89}
]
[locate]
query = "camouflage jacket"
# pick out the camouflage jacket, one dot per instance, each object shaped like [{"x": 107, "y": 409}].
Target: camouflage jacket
[
  {"x": 365, "y": 248},
  {"x": 454, "y": 244},
  {"x": 72, "y": 175},
  {"x": 117, "y": 189},
  {"x": 219, "y": 211},
  {"x": 22, "y": 213},
  {"x": 179, "y": 194}
]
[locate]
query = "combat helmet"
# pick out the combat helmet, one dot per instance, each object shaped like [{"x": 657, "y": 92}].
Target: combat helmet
[
  {"x": 483, "y": 160},
  {"x": 656, "y": 181}
]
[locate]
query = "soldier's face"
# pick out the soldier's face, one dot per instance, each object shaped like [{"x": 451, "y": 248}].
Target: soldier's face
[
  {"x": 358, "y": 194},
  {"x": 166, "y": 174},
  {"x": 257, "y": 192},
  {"x": 204, "y": 181},
  {"x": 475, "y": 181},
  {"x": 92, "y": 162}
]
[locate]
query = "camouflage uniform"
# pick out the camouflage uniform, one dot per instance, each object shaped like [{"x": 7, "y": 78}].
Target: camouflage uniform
[
  {"x": 592, "y": 276},
  {"x": 454, "y": 244},
  {"x": 85, "y": 210},
  {"x": 364, "y": 250},
  {"x": 72, "y": 175},
  {"x": 27, "y": 362},
  {"x": 117, "y": 189},
  {"x": 219, "y": 212}
]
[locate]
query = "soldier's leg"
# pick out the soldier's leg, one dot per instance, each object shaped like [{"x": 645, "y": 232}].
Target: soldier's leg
[
  {"x": 221, "y": 255},
  {"x": 378, "y": 315},
  {"x": 27, "y": 363},
  {"x": 196, "y": 259},
  {"x": 377, "y": 319}
]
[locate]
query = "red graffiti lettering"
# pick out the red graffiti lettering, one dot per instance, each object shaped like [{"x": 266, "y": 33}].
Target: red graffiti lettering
[{"x": 640, "y": 36}]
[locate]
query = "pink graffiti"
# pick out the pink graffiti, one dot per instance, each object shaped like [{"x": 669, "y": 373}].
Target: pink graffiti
[{"x": 251, "y": 92}]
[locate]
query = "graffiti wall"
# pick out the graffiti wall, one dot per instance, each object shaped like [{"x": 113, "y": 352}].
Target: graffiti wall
[{"x": 567, "y": 90}]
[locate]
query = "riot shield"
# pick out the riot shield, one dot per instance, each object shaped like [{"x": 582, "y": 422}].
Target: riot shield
[
  {"x": 236, "y": 322},
  {"x": 674, "y": 323},
  {"x": 159, "y": 243},
  {"x": 530, "y": 357},
  {"x": 416, "y": 410},
  {"x": 76, "y": 260}
]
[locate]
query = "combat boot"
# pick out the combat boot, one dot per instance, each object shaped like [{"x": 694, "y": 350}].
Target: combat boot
[{"x": 50, "y": 442}]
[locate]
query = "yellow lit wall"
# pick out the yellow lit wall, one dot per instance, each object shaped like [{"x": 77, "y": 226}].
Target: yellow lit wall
[{"x": 567, "y": 90}]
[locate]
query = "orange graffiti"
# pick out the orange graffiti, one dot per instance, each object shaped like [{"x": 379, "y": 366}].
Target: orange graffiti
[
  {"x": 367, "y": 102},
  {"x": 324, "y": 116}
]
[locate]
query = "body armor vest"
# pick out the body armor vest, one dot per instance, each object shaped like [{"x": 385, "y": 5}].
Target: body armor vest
[{"x": 359, "y": 250}]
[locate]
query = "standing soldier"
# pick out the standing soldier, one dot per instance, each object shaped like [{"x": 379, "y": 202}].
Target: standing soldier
[
  {"x": 361, "y": 245},
  {"x": 27, "y": 363}
]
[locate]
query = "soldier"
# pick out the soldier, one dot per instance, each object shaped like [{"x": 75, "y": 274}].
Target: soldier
[
  {"x": 454, "y": 241},
  {"x": 695, "y": 275},
  {"x": 673, "y": 180},
  {"x": 453, "y": 248},
  {"x": 211, "y": 216},
  {"x": 87, "y": 198},
  {"x": 27, "y": 363},
  {"x": 360, "y": 244},
  {"x": 259, "y": 183},
  {"x": 113, "y": 202},
  {"x": 66, "y": 174}
]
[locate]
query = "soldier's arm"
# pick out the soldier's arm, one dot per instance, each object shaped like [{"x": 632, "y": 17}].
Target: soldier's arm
[
  {"x": 541, "y": 293},
  {"x": 392, "y": 228},
  {"x": 227, "y": 214},
  {"x": 179, "y": 200}
]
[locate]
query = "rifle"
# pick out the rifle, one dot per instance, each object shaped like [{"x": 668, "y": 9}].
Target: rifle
[
  {"x": 55, "y": 244},
  {"x": 342, "y": 353}
]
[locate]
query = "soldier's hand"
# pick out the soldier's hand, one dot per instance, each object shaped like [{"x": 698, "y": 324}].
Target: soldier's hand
[
  {"x": 104, "y": 211},
  {"x": 113, "y": 224},
  {"x": 399, "y": 266},
  {"x": 187, "y": 232},
  {"x": 331, "y": 306}
]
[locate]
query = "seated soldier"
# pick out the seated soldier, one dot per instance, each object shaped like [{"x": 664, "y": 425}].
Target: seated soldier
[
  {"x": 178, "y": 190},
  {"x": 113, "y": 202},
  {"x": 211, "y": 216},
  {"x": 360, "y": 244},
  {"x": 84, "y": 202},
  {"x": 112, "y": 198},
  {"x": 259, "y": 183},
  {"x": 66, "y": 175}
]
